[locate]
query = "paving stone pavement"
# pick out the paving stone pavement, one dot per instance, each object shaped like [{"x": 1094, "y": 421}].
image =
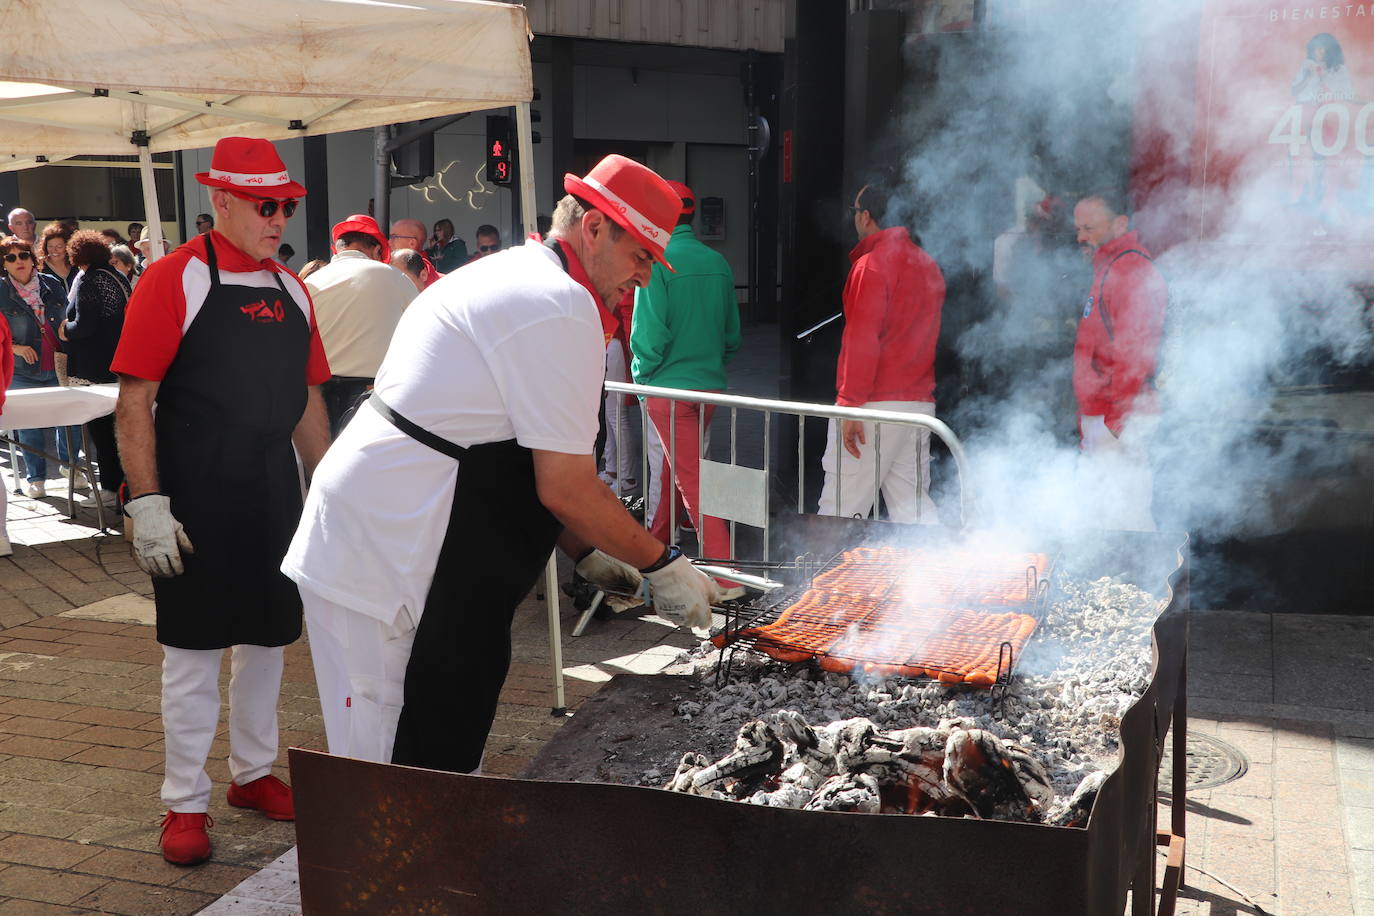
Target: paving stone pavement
[{"x": 81, "y": 750}]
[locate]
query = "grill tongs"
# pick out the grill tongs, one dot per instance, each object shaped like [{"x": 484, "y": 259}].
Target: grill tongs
[{"x": 744, "y": 584}]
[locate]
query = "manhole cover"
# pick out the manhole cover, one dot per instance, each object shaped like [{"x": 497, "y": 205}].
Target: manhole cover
[{"x": 1211, "y": 762}]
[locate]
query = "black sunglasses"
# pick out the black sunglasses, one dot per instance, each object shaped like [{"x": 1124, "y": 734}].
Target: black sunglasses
[
  {"x": 488, "y": 247},
  {"x": 267, "y": 206},
  {"x": 18, "y": 256}
]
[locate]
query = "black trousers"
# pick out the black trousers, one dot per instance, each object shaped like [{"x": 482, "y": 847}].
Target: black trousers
[
  {"x": 107, "y": 465},
  {"x": 342, "y": 393}
]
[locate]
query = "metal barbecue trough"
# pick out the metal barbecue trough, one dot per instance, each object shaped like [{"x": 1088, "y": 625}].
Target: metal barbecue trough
[{"x": 560, "y": 840}]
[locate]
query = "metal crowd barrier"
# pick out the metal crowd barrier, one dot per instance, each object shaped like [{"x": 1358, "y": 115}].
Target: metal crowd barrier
[{"x": 741, "y": 494}]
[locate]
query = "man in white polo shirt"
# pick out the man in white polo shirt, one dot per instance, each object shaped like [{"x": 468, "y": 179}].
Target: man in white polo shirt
[
  {"x": 358, "y": 300},
  {"x": 433, "y": 514}
]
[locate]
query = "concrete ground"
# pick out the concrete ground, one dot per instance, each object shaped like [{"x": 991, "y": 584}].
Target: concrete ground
[{"x": 81, "y": 747}]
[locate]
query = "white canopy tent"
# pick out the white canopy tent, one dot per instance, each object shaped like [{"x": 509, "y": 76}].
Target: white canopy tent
[
  {"x": 135, "y": 77},
  {"x": 143, "y": 76}
]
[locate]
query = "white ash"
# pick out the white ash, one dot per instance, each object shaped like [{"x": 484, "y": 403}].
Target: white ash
[{"x": 1088, "y": 662}]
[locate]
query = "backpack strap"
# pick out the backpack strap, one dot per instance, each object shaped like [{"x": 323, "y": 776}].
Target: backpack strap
[{"x": 1102, "y": 289}]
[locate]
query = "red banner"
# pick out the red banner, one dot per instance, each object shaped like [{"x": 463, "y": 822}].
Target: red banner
[{"x": 1283, "y": 152}]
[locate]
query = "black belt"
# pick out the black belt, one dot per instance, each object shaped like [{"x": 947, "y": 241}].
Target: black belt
[
  {"x": 417, "y": 432},
  {"x": 355, "y": 379}
]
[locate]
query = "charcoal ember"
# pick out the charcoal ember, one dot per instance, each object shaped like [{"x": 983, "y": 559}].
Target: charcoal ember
[
  {"x": 919, "y": 766},
  {"x": 861, "y": 746},
  {"x": 856, "y": 792},
  {"x": 814, "y": 748},
  {"x": 691, "y": 764},
  {"x": 758, "y": 753},
  {"x": 1095, "y": 637},
  {"x": 997, "y": 778},
  {"x": 1080, "y": 805},
  {"x": 794, "y": 790}
]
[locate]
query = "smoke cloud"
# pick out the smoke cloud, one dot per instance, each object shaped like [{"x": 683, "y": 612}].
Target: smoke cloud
[{"x": 1049, "y": 108}]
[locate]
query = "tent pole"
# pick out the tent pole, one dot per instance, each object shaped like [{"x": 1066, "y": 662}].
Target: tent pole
[
  {"x": 526, "y": 165},
  {"x": 145, "y": 171},
  {"x": 525, "y": 169},
  {"x": 381, "y": 178}
]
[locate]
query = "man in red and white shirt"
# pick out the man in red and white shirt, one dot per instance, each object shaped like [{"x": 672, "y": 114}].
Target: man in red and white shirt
[
  {"x": 1114, "y": 360},
  {"x": 222, "y": 341},
  {"x": 892, "y": 303}
]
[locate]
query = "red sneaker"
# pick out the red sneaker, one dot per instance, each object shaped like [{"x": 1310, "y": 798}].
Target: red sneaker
[
  {"x": 268, "y": 794},
  {"x": 184, "y": 840}
]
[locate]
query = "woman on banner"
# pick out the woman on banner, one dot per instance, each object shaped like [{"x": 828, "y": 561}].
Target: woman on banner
[{"x": 1322, "y": 78}]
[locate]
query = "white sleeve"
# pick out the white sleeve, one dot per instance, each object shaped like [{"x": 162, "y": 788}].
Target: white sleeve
[{"x": 549, "y": 375}]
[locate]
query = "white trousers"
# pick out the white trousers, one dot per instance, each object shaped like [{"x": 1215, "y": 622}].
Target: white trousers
[
  {"x": 190, "y": 717},
  {"x": 360, "y": 669},
  {"x": 899, "y": 466},
  {"x": 620, "y": 460},
  {"x": 1115, "y": 483}
]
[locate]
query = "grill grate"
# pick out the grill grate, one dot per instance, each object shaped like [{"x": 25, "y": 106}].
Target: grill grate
[{"x": 959, "y": 616}]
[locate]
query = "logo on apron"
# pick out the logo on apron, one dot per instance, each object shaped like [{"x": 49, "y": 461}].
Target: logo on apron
[
  {"x": 1088, "y": 307},
  {"x": 261, "y": 311}
]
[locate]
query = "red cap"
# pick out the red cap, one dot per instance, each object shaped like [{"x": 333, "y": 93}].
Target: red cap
[
  {"x": 250, "y": 165},
  {"x": 361, "y": 222},
  {"x": 689, "y": 199},
  {"x": 635, "y": 197}
]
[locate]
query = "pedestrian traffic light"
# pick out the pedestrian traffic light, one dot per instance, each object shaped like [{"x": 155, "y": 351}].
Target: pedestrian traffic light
[
  {"x": 500, "y": 149},
  {"x": 415, "y": 160}
]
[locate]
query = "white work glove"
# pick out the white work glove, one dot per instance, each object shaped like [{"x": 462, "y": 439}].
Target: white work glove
[
  {"x": 605, "y": 571},
  {"x": 684, "y": 594},
  {"x": 159, "y": 538}
]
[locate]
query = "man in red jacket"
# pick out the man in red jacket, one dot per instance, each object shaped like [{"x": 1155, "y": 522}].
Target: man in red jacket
[
  {"x": 892, "y": 302},
  {"x": 1114, "y": 360}
]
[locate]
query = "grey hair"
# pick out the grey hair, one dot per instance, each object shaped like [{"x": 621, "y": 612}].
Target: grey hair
[{"x": 569, "y": 213}]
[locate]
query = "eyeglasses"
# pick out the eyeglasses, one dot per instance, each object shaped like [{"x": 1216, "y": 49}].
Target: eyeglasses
[
  {"x": 488, "y": 247},
  {"x": 267, "y": 206},
  {"x": 413, "y": 238},
  {"x": 18, "y": 256},
  {"x": 206, "y": 222}
]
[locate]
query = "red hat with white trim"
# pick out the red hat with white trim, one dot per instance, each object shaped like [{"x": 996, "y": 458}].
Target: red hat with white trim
[
  {"x": 689, "y": 199},
  {"x": 361, "y": 222},
  {"x": 635, "y": 197},
  {"x": 249, "y": 165}
]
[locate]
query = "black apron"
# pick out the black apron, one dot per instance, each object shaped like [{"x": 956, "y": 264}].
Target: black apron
[
  {"x": 498, "y": 540},
  {"x": 499, "y": 537},
  {"x": 225, "y": 413}
]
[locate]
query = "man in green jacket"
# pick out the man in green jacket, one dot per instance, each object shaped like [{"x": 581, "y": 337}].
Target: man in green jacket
[{"x": 685, "y": 329}]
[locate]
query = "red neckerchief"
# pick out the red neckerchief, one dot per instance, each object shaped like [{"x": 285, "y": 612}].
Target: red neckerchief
[{"x": 579, "y": 274}]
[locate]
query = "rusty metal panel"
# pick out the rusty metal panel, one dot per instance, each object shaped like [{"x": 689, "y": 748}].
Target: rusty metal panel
[{"x": 375, "y": 838}]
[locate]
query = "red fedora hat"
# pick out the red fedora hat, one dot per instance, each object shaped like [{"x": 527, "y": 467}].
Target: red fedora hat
[
  {"x": 249, "y": 165},
  {"x": 361, "y": 222},
  {"x": 689, "y": 199},
  {"x": 635, "y": 197}
]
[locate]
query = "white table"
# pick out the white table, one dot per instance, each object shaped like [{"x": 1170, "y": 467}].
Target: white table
[{"x": 39, "y": 408}]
